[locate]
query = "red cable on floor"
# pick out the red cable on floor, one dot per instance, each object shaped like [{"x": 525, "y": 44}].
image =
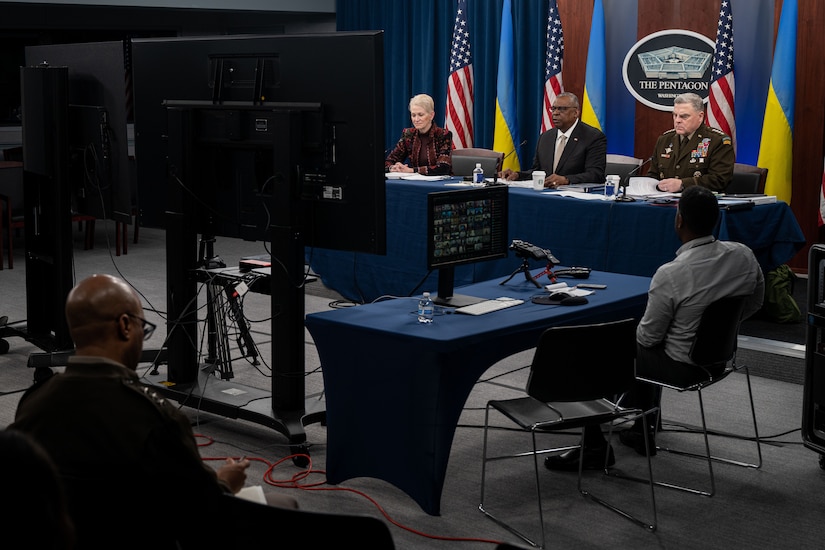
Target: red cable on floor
[{"x": 295, "y": 482}]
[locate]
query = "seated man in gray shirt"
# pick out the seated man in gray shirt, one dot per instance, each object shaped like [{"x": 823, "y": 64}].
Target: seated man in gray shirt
[{"x": 704, "y": 271}]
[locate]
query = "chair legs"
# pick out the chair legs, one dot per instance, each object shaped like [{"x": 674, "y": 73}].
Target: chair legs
[
  {"x": 122, "y": 233},
  {"x": 541, "y": 542},
  {"x": 710, "y": 458},
  {"x": 651, "y": 483},
  {"x": 707, "y": 456}
]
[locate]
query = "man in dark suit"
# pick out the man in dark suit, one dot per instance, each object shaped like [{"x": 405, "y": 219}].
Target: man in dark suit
[{"x": 582, "y": 149}]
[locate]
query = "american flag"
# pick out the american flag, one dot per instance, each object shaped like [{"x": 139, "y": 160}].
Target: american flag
[
  {"x": 459, "y": 115},
  {"x": 552, "y": 64},
  {"x": 721, "y": 96}
]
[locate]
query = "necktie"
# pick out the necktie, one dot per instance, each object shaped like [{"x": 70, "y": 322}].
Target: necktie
[{"x": 559, "y": 150}]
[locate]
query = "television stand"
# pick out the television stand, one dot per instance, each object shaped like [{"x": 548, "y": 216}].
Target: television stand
[
  {"x": 232, "y": 400},
  {"x": 286, "y": 410}
]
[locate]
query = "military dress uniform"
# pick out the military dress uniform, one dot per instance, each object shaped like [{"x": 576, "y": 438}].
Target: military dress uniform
[
  {"x": 705, "y": 159},
  {"x": 128, "y": 458}
]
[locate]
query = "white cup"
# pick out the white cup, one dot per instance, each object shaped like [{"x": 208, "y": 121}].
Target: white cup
[{"x": 538, "y": 179}]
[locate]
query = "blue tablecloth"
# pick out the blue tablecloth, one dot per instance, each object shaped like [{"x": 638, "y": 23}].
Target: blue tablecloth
[
  {"x": 633, "y": 238},
  {"x": 394, "y": 388}
]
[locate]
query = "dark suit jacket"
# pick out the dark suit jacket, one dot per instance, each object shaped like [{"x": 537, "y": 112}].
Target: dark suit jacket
[{"x": 583, "y": 159}]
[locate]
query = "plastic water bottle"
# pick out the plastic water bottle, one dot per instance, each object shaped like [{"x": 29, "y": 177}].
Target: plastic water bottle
[
  {"x": 426, "y": 309},
  {"x": 611, "y": 187},
  {"x": 478, "y": 174}
]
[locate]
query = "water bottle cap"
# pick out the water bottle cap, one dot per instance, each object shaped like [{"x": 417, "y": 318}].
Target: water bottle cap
[
  {"x": 478, "y": 165},
  {"x": 426, "y": 294}
]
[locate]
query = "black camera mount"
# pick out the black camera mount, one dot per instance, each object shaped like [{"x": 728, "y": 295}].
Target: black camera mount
[{"x": 526, "y": 252}]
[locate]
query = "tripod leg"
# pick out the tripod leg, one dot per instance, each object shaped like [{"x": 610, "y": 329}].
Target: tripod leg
[
  {"x": 532, "y": 279},
  {"x": 513, "y": 274},
  {"x": 245, "y": 342},
  {"x": 523, "y": 268}
]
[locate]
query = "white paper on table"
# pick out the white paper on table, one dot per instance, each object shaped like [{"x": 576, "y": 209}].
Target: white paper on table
[
  {"x": 643, "y": 186},
  {"x": 573, "y": 291},
  {"x": 583, "y": 196},
  {"x": 556, "y": 286},
  {"x": 255, "y": 493},
  {"x": 415, "y": 176},
  {"x": 526, "y": 184}
]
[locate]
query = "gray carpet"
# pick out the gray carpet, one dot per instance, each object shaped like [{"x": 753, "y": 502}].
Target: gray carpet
[{"x": 778, "y": 506}]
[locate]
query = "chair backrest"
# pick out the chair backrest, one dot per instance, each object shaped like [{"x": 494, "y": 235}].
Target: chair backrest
[
  {"x": 11, "y": 184},
  {"x": 584, "y": 362},
  {"x": 621, "y": 165},
  {"x": 13, "y": 154},
  {"x": 478, "y": 153},
  {"x": 716, "y": 337},
  {"x": 747, "y": 179},
  {"x": 622, "y": 159}
]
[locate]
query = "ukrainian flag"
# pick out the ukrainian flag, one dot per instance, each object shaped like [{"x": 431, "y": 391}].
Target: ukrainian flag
[
  {"x": 505, "y": 135},
  {"x": 776, "y": 145},
  {"x": 595, "y": 87}
]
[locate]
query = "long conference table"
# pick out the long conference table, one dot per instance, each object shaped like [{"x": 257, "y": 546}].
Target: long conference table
[
  {"x": 394, "y": 388},
  {"x": 634, "y": 238}
]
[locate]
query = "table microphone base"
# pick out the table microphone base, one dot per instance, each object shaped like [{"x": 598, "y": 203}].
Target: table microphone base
[{"x": 623, "y": 197}]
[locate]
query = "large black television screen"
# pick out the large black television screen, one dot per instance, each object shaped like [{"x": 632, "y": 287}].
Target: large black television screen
[
  {"x": 239, "y": 169},
  {"x": 99, "y": 173},
  {"x": 465, "y": 226},
  {"x": 341, "y": 72}
]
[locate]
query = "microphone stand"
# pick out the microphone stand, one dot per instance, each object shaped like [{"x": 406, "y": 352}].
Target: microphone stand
[
  {"x": 626, "y": 180},
  {"x": 505, "y": 157}
]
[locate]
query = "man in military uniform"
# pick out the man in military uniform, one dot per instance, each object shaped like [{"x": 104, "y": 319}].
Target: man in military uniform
[
  {"x": 128, "y": 458},
  {"x": 692, "y": 153}
]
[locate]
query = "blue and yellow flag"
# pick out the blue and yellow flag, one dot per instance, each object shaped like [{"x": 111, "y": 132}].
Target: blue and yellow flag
[
  {"x": 776, "y": 145},
  {"x": 595, "y": 87},
  {"x": 505, "y": 134}
]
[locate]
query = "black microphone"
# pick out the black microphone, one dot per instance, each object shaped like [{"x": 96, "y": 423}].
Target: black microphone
[
  {"x": 636, "y": 171},
  {"x": 508, "y": 154},
  {"x": 623, "y": 183},
  {"x": 513, "y": 151}
]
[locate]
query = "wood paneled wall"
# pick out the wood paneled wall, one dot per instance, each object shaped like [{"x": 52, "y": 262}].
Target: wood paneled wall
[{"x": 701, "y": 16}]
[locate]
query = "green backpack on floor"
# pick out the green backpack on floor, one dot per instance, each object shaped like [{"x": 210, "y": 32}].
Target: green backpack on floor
[{"x": 779, "y": 304}]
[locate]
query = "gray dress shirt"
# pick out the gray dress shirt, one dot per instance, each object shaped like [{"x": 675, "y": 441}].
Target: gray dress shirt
[{"x": 704, "y": 271}]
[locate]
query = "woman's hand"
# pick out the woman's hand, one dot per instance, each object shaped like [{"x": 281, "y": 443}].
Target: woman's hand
[{"x": 401, "y": 167}]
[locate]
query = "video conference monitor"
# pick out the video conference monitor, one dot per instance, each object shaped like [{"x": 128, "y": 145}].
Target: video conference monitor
[
  {"x": 465, "y": 226},
  {"x": 343, "y": 186}
]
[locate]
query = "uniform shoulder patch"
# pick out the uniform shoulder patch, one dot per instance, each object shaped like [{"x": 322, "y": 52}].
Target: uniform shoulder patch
[
  {"x": 718, "y": 132},
  {"x": 672, "y": 130},
  {"x": 147, "y": 392}
]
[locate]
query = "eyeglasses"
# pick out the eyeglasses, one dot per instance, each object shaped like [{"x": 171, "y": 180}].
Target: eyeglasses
[
  {"x": 561, "y": 108},
  {"x": 148, "y": 327}
]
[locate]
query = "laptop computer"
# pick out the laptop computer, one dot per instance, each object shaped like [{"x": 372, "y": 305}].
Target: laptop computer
[{"x": 464, "y": 165}]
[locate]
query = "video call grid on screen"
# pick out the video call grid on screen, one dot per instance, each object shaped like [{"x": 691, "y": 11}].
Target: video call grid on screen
[{"x": 467, "y": 226}]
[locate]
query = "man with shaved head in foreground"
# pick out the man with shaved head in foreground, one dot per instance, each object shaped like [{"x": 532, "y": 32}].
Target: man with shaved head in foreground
[{"x": 128, "y": 457}]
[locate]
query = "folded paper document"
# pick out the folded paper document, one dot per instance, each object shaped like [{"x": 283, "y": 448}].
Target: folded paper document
[
  {"x": 642, "y": 186},
  {"x": 413, "y": 176},
  {"x": 755, "y": 198}
]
